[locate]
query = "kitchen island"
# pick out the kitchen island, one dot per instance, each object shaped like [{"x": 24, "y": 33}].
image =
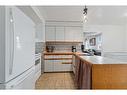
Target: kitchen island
[{"x": 96, "y": 72}]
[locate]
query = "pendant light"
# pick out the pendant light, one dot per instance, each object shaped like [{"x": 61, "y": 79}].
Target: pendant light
[{"x": 85, "y": 14}]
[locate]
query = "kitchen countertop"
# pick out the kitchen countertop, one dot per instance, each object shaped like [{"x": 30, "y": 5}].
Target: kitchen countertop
[
  {"x": 63, "y": 53},
  {"x": 101, "y": 60},
  {"x": 97, "y": 72},
  {"x": 58, "y": 53},
  {"x": 91, "y": 59}
]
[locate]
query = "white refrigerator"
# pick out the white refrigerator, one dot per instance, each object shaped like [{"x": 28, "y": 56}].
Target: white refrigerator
[{"x": 17, "y": 49}]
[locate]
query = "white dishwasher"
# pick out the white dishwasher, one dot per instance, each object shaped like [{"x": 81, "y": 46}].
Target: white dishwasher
[{"x": 37, "y": 66}]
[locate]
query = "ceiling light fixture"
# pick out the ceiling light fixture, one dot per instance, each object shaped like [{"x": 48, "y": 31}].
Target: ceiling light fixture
[{"x": 85, "y": 14}]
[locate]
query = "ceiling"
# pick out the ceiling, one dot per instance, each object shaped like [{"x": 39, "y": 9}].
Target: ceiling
[
  {"x": 96, "y": 14},
  {"x": 28, "y": 10}
]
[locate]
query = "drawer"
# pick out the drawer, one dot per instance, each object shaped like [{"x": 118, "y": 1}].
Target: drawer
[
  {"x": 48, "y": 66},
  {"x": 66, "y": 56},
  {"x": 66, "y": 67},
  {"x": 49, "y": 56}
]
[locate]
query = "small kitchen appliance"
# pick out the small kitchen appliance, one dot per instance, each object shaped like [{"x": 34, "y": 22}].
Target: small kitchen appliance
[{"x": 74, "y": 49}]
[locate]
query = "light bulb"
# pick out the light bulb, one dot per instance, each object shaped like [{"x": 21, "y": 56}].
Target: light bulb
[
  {"x": 11, "y": 20},
  {"x": 84, "y": 16},
  {"x": 85, "y": 20}
]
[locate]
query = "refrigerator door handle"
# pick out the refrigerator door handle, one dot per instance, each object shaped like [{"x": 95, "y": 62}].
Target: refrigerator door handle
[{"x": 11, "y": 41}]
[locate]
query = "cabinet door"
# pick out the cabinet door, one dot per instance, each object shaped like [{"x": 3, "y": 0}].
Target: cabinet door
[
  {"x": 60, "y": 34},
  {"x": 50, "y": 33},
  {"x": 78, "y": 33},
  {"x": 69, "y": 33},
  {"x": 67, "y": 67},
  {"x": 57, "y": 65},
  {"x": 48, "y": 66}
]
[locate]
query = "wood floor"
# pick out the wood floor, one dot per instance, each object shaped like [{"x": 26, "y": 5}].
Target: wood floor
[{"x": 56, "y": 81}]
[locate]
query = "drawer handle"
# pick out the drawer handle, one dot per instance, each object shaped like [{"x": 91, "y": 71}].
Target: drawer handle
[{"x": 66, "y": 62}]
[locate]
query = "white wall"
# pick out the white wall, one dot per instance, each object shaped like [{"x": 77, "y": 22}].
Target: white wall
[
  {"x": 31, "y": 13},
  {"x": 125, "y": 38},
  {"x": 113, "y": 36},
  {"x": 98, "y": 41},
  {"x": 40, "y": 27},
  {"x": 40, "y": 32}
]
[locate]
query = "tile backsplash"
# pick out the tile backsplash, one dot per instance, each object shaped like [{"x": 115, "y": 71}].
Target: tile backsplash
[
  {"x": 39, "y": 47},
  {"x": 65, "y": 47}
]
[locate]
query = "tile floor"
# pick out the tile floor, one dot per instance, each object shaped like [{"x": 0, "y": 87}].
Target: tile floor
[{"x": 56, "y": 81}]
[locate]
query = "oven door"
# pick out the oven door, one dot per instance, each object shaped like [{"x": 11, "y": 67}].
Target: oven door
[{"x": 37, "y": 65}]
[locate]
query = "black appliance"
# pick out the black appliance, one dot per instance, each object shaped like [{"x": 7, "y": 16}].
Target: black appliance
[
  {"x": 50, "y": 48},
  {"x": 82, "y": 48},
  {"x": 74, "y": 49}
]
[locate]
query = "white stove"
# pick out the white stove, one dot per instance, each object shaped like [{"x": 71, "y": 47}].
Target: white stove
[
  {"x": 37, "y": 65},
  {"x": 37, "y": 56}
]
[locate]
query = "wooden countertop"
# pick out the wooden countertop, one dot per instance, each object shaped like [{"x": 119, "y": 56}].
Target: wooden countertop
[
  {"x": 58, "y": 53},
  {"x": 57, "y": 58},
  {"x": 90, "y": 59},
  {"x": 63, "y": 53}
]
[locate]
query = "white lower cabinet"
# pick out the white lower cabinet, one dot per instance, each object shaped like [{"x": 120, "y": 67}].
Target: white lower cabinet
[
  {"x": 57, "y": 65},
  {"x": 66, "y": 67},
  {"x": 48, "y": 66}
]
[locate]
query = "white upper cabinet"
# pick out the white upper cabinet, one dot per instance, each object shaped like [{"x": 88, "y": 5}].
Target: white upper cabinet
[
  {"x": 78, "y": 33},
  {"x": 73, "y": 33},
  {"x": 60, "y": 35},
  {"x": 64, "y": 32},
  {"x": 69, "y": 33},
  {"x": 50, "y": 33}
]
